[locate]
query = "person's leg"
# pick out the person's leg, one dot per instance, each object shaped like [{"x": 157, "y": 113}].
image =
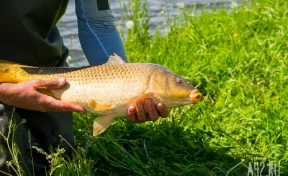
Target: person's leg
[
  {"x": 8, "y": 150},
  {"x": 98, "y": 34},
  {"x": 45, "y": 130},
  {"x": 4, "y": 154}
]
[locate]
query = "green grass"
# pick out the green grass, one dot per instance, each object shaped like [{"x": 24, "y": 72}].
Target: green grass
[{"x": 238, "y": 58}]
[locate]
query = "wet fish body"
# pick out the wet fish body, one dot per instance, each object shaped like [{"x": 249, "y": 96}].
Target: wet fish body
[{"x": 109, "y": 89}]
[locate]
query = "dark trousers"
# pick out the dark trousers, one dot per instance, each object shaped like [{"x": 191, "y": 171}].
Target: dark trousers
[{"x": 45, "y": 130}]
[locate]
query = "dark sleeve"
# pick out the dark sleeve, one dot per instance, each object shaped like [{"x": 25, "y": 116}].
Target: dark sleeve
[{"x": 98, "y": 34}]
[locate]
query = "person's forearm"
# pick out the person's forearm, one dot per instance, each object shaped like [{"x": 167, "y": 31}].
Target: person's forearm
[
  {"x": 3, "y": 89},
  {"x": 98, "y": 35},
  {"x": 1, "y": 92},
  {"x": 24, "y": 95}
]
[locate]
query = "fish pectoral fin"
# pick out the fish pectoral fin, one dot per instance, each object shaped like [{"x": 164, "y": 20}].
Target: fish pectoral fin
[
  {"x": 97, "y": 106},
  {"x": 101, "y": 124},
  {"x": 142, "y": 99},
  {"x": 145, "y": 96},
  {"x": 115, "y": 60}
]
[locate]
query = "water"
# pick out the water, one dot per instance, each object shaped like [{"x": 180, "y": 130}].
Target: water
[{"x": 69, "y": 30}]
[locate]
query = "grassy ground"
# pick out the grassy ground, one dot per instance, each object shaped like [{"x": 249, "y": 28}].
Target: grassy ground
[{"x": 238, "y": 59}]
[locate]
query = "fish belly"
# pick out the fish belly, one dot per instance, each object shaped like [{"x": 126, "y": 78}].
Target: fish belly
[
  {"x": 101, "y": 97},
  {"x": 101, "y": 89}
]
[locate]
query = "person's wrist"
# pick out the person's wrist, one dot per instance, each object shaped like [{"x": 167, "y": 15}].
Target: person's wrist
[
  {"x": 1, "y": 92},
  {"x": 3, "y": 89}
]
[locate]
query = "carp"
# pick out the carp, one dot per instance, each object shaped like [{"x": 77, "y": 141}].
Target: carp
[{"x": 109, "y": 89}]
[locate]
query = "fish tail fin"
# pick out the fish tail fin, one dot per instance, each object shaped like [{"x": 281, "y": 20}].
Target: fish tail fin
[
  {"x": 101, "y": 124},
  {"x": 11, "y": 72}
]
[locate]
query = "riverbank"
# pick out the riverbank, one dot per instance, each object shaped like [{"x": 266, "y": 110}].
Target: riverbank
[{"x": 238, "y": 60}]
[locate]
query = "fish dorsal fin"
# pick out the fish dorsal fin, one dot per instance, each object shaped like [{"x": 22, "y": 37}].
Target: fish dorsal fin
[{"x": 115, "y": 60}]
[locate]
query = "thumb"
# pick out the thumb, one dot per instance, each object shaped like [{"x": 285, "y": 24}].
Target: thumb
[{"x": 50, "y": 84}]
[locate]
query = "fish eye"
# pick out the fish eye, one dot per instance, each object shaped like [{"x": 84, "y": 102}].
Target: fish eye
[{"x": 179, "y": 80}]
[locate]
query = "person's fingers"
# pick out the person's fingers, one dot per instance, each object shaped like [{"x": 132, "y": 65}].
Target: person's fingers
[
  {"x": 141, "y": 116},
  {"x": 151, "y": 110},
  {"x": 50, "y": 84},
  {"x": 132, "y": 114},
  {"x": 162, "y": 109},
  {"x": 52, "y": 104}
]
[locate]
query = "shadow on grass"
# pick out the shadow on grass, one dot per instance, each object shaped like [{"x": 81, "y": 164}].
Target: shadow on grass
[{"x": 158, "y": 149}]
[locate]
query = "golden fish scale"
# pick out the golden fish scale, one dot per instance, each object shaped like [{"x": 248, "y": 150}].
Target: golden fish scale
[{"x": 105, "y": 84}]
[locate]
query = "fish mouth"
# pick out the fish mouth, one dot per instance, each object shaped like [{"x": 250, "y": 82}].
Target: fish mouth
[{"x": 195, "y": 96}]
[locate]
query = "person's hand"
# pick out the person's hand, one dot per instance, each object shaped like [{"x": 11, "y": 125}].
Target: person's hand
[
  {"x": 24, "y": 95},
  {"x": 146, "y": 111}
]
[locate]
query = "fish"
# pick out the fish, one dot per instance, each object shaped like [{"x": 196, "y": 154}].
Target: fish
[{"x": 108, "y": 89}]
